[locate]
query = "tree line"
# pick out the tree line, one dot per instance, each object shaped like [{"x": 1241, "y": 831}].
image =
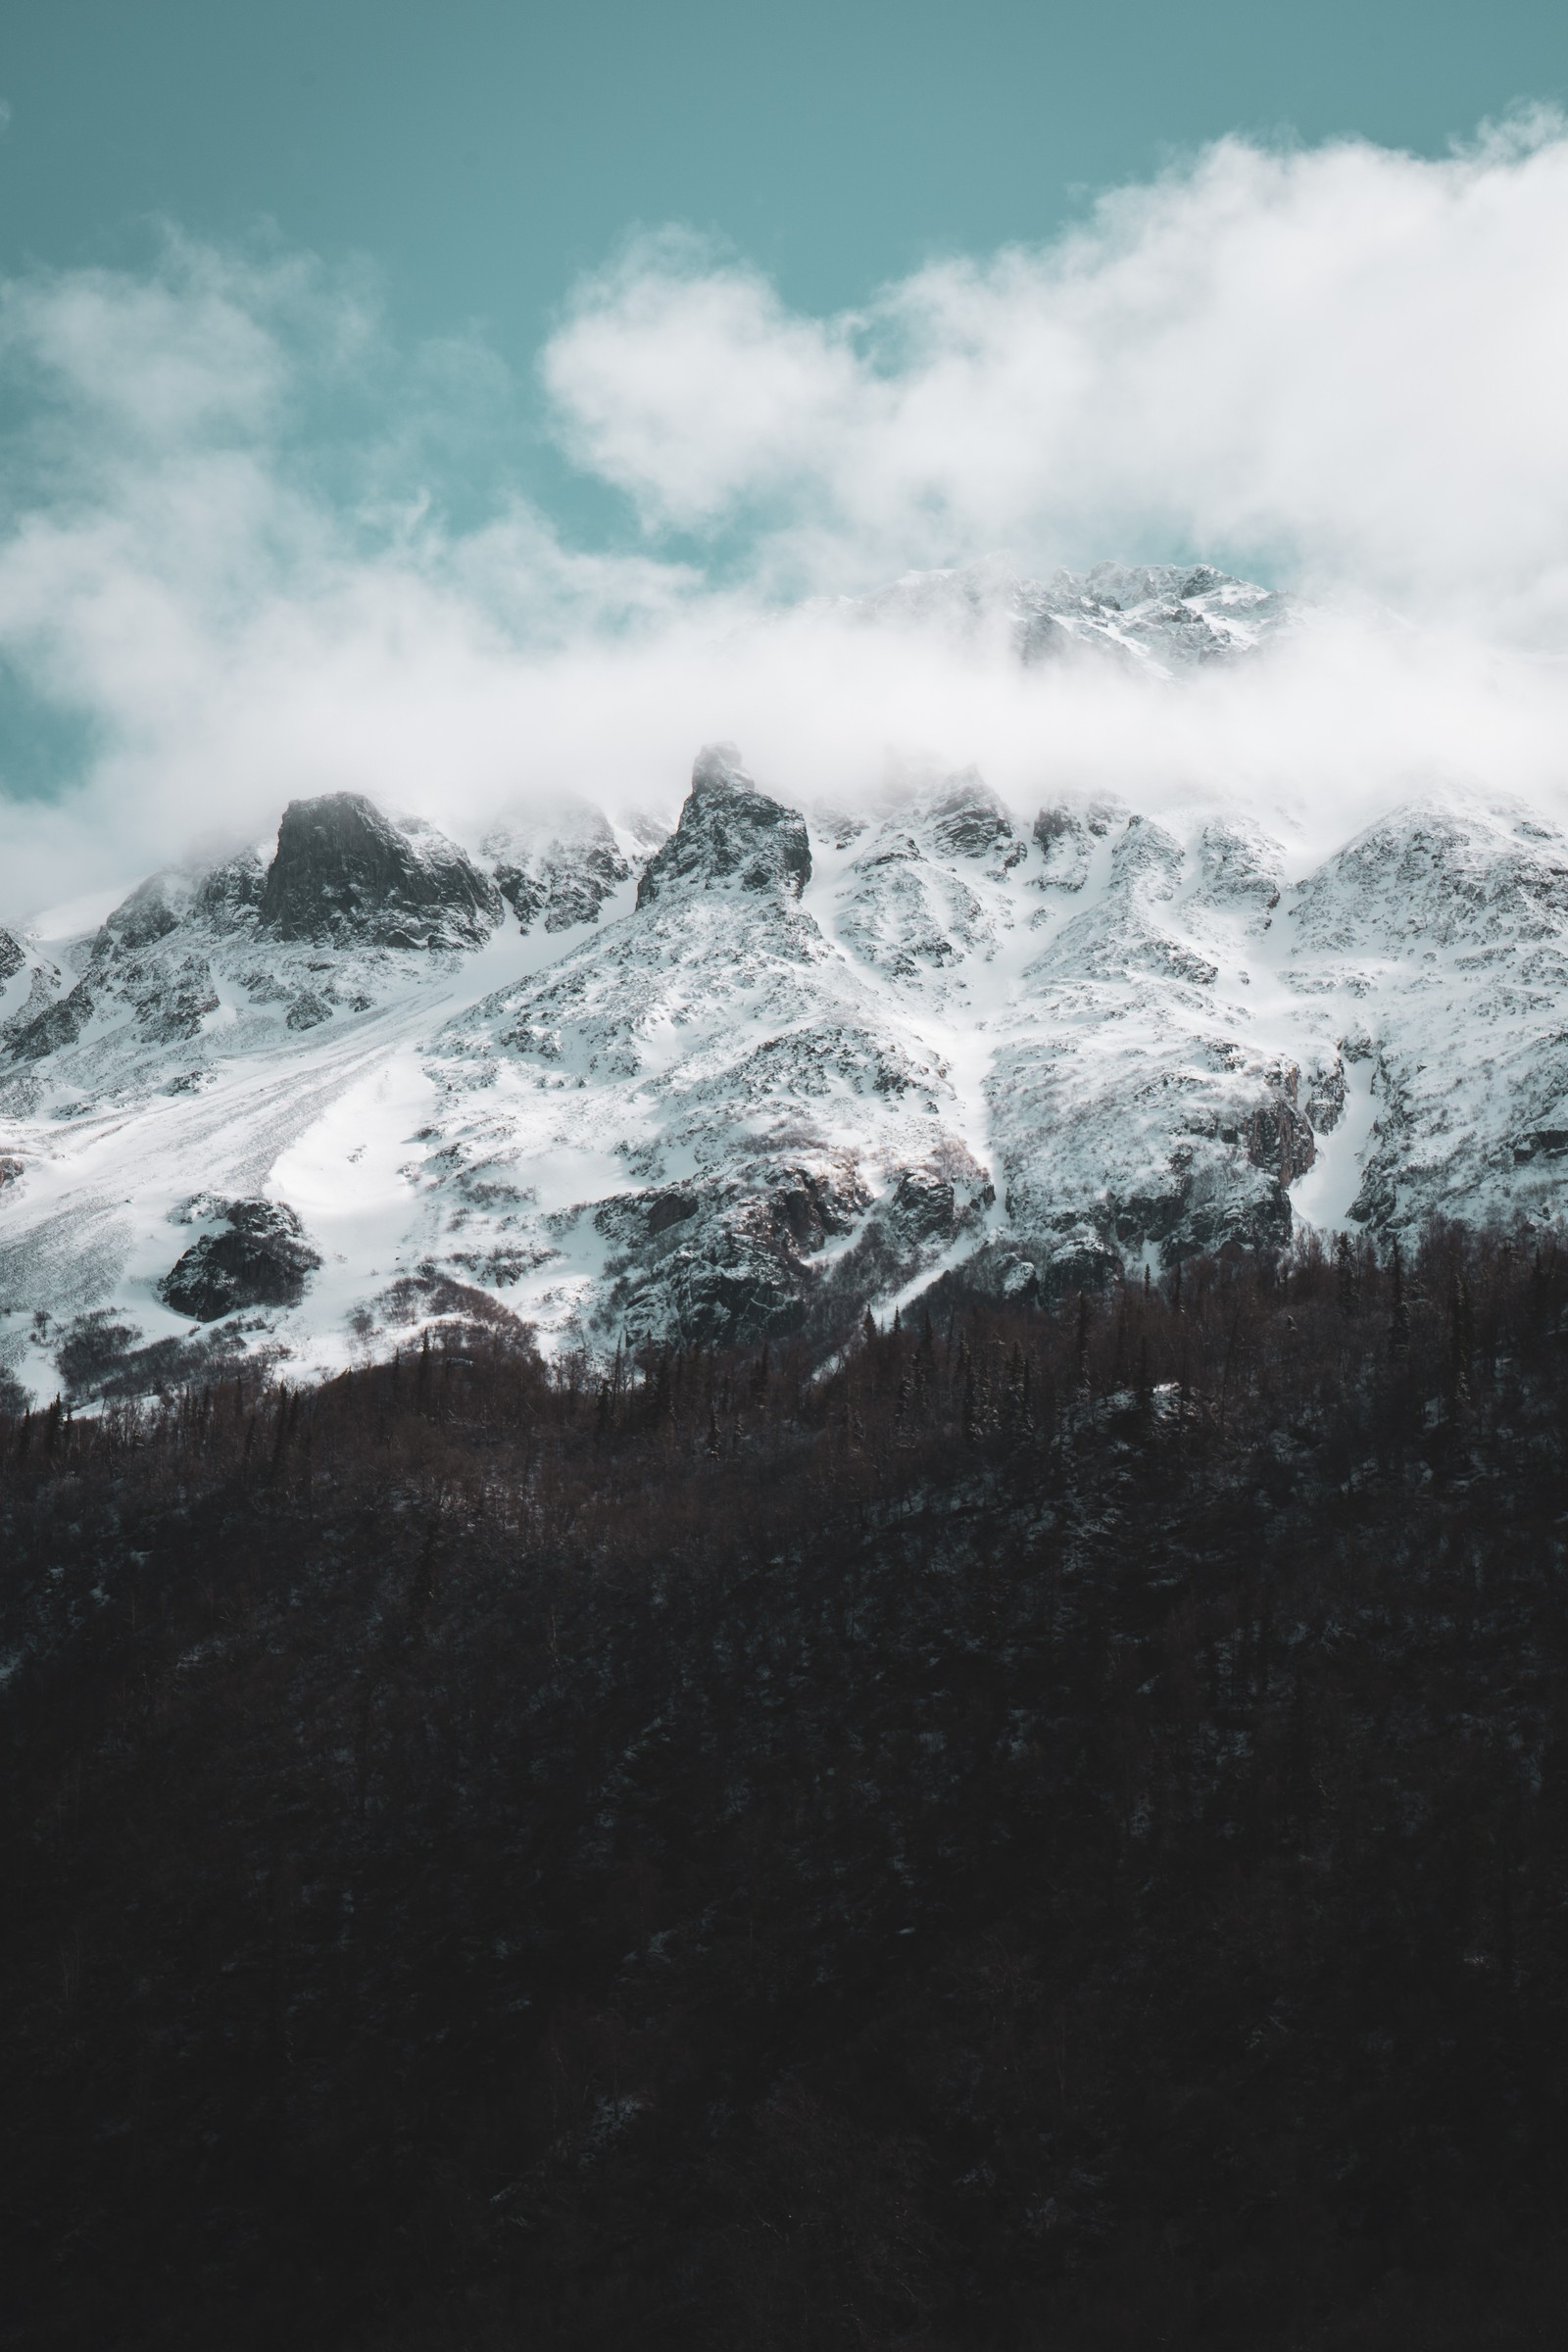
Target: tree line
[{"x": 1043, "y": 1823}]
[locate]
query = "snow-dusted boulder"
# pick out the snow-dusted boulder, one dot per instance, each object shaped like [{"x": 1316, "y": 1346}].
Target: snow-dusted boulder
[{"x": 258, "y": 1256}]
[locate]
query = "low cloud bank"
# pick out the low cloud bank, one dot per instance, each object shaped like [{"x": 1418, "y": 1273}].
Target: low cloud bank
[
  {"x": 1346, "y": 362},
  {"x": 235, "y": 568}
]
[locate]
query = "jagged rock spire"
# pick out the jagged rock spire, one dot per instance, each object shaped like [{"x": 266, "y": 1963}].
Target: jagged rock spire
[{"x": 729, "y": 835}]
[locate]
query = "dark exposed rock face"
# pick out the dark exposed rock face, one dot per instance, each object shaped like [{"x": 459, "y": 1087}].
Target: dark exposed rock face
[
  {"x": 1279, "y": 1140},
  {"x": 1546, "y": 1143},
  {"x": 562, "y": 879},
  {"x": 59, "y": 1024},
  {"x": 673, "y": 1209},
  {"x": 262, "y": 1260},
  {"x": 152, "y": 910},
  {"x": 344, "y": 873},
  {"x": 729, "y": 1256},
  {"x": 232, "y": 892},
  {"x": 739, "y": 1256},
  {"x": 40, "y": 996},
  {"x": 1325, "y": 1100},
  {"x": 172, "y": 1001},
  {"x": 169, "y": 994},
  {"x": 12, "y": 958},
  {"x": 969, "y": 822},
  {"x": 923, "y": 1205},
  {"x": 1067, "y": 833},
  {"x": 729, "y": 833}
]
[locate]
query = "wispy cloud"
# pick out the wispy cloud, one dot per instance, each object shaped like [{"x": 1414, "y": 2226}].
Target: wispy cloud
[{"x": 1344, "y": 362}]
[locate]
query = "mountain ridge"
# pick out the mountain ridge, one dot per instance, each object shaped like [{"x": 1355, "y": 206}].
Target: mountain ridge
[{"x": 781, "y": 1065}]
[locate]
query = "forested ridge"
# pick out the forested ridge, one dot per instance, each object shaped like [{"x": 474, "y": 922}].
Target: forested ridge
[{"x": 1046, "y": 1828}]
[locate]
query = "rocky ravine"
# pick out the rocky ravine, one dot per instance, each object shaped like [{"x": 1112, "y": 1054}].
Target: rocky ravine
[{"x": 781, "y": 1068}]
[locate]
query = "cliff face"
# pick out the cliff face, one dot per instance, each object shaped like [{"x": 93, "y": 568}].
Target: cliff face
[
  {"x": 730, "y": 835},
  {"x": 343, "y": 872}
]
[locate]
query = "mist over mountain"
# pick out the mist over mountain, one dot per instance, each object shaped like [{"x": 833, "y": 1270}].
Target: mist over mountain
[
  {"x": 260, "y": 552},
  {"x": 785, "y": 1061}
]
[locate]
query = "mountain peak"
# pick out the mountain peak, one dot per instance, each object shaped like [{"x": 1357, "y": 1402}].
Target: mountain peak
[
  {"x": 343, "y": 871},
  {"x": 719, "y": 767},
  {"x": 1162, "y": 618},
  {"x": 729, "y": 834}
]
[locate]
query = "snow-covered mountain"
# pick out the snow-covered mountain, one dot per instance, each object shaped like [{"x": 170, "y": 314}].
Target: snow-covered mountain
[
  {"x": 1159, "y": 618},
  {"x": 753, "y": 1076}
]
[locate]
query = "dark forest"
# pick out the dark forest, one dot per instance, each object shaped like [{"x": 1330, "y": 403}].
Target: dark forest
[{"x": 1046, "y": 1827}]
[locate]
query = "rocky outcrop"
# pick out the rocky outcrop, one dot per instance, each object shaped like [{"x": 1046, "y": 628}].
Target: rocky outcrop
[
  {"x": 926, "y": 894},
  {"x": 152, "y": 909},
  {"x": 138, "y": 962},
  {"x": 1066, "y": 835},
  {"x": 230, "y": 895},
  {"x": 1278, "y": 1138},
  {"x": 730, "y": 835},
  {"x": 1437, "y": 877},
  {"x": 729, "y": 1256},
  {"x": 1239, "y": 865},
  {"x": 308, "y": 1010},
  {"x": 968, "y": 820},
  {"x": 1160, "y": 615},
  {"x": 60, "y": 1024},
  {"x": 559, "y": 873},
  {"x": 261, "y": 1259},
  {"x": 172, "y": 999},
  {"x": 346, "y": 874}
]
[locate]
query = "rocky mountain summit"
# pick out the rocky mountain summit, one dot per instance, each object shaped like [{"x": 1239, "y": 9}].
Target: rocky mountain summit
[
  {"x": 1158, "y": 617},
  {"x": 753, "y": 1077},
  {"x": 342, "y": 871},
  {"x": 729, "y": 832},
  {"x": 561, "y": 873}
]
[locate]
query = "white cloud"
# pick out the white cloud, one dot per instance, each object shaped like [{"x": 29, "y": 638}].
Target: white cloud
[
  {"x": 203, "y": 348},
  {"x": 229, "y": 552},
  {"x": 1344, "y": 362}
]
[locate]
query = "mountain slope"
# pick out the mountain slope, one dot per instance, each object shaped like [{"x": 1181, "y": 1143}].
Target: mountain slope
[{"x": 787, "y": 1065}]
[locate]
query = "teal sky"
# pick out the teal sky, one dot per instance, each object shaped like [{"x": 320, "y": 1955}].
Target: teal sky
[
  {"x": 485, "y": 152},
  {"x": 482, "y": 154},
  {"x": 254, "y": 525}
]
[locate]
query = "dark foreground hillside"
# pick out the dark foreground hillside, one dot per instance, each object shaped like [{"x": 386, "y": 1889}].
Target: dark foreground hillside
[{"x": 1053, "y": 1832}]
